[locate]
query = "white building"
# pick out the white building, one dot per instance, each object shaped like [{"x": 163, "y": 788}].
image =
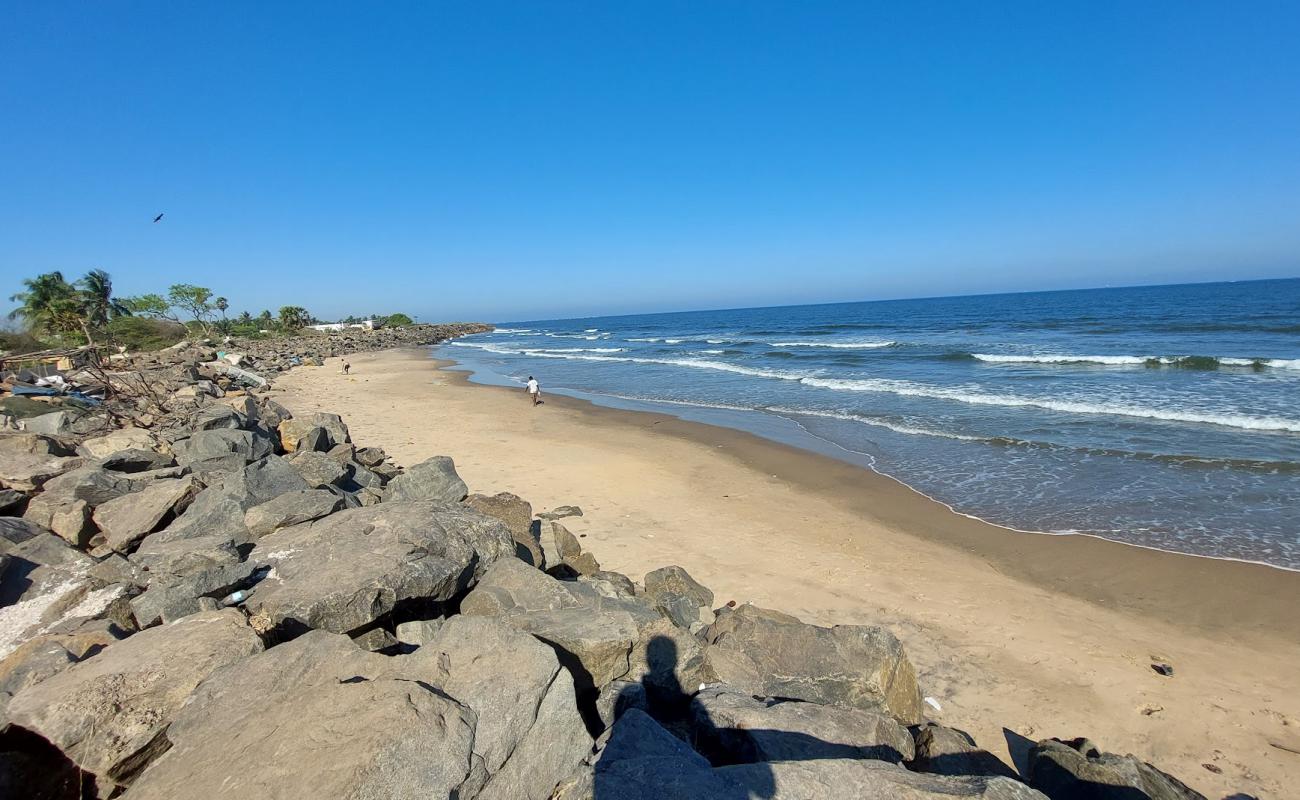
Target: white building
[{"x": 335, "y": 327}]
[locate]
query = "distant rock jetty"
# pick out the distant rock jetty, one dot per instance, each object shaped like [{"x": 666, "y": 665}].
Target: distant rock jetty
[{"x": 206, "y": 595}]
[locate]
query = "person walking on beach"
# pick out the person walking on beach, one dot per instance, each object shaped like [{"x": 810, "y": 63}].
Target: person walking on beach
[{"x": 534, "y": 390}]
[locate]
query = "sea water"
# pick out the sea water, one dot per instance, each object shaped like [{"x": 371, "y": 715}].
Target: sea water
[{"x": 1165, "y": 416}]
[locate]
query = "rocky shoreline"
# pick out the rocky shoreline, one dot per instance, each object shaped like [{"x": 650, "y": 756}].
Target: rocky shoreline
[{"x": 207, "y": 595}]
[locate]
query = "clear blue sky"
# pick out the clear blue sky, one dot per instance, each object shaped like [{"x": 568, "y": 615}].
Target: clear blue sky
[{"x": 525, "y": 160}]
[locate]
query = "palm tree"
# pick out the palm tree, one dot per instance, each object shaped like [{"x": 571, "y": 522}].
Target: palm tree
[
  {"x": 49, "y": 304},
  {"x": 244, "y": 318},
  {"x": 97, "y": 299},
  {"x": 294, "y": 317}
]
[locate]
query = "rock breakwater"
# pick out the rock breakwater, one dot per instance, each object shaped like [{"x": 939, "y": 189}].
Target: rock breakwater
[{"x": 207, "y": 595}]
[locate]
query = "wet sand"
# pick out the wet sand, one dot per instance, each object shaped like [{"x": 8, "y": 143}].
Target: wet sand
[{"x": 1016, "y": 636}]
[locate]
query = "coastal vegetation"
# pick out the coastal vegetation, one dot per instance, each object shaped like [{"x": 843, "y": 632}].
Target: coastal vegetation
[{"x": 55, "y": 312}]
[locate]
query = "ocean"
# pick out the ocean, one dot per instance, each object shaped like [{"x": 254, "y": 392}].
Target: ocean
[{"x": 1161, "y": 416}]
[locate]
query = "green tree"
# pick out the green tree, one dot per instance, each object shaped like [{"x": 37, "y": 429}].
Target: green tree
[
  {"x": 294, "y": 317},
  {"x": 397, "y": 320},
  {"x": 265, "y": 320},
  {"x": 149, "y": 305},
  {"x": 50, "y": 305},
  {"x": 98, "y": 303},
  {"x": 194, "y": 300},
  {"x": 244, "y": 318}
]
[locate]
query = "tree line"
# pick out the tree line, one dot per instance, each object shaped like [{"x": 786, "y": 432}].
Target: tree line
[{"x": 85, "y": 311}]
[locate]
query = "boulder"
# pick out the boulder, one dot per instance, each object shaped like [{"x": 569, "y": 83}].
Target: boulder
[
  {"x": 315, "y": 440},
  {"x": 337, "y": 726},
  {"x": 218, "y": 416},
  {"x": 263, "y": 480},
  {"x": 51, "y": 424},
  {"x": 346, "y": 570},
  {"x": 642, "y": 761},
  {"x": 109, "y": 713},
  {"x": 617, "y": 698},
  {"x": 123, "y": 439},
  {"x": 137, "y": 461},
  {"x": 217, "y": 445},
  {"x": 770, "y": 654},
  {"x": 850, "y": 779},
  {"x": 34, "y": 444},
  {"x": 16, "y": 530},
  {"x": 732, "y": 727},
  {"x": 529, "y": 734},
  {"x": 168, "y": 558},
  {"x": 290, "y": 509},
  {"x": 168, "y": 599},
  {"x": 44, "y": 583},
  {"x": 560, "y": 512},
  {"x": 29, "y": 664},
  {"x": 12, "y": 501},
  {"x": 295, "y": 428},
  {"x": 511, "y": 585},
  {"x": 1077, "y": 768},
  {"x": 28, "y": 473},
  {"x": 948, "y": 751},
  {"x": 130, "y": 518},
  {"x": 675, "y": 581},
  {"x": 517, "y": 514},
  {"x": 318, "y": 469},
  {"x": 63, "y": 514},
  {"x": 214, "y": 511},
  {"x": 371, "y": 457},
  {"x": 417, "y": 632},
  {"x": 434, "y": 479}
]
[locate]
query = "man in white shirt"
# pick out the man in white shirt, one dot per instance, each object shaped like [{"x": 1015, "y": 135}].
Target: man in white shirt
[{"x": 534, "y": 390}]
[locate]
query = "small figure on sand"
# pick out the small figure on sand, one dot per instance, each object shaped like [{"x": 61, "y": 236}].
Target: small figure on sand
[
  {"x": 346, "y": 367},
  {"x": 534, "y": 390}
]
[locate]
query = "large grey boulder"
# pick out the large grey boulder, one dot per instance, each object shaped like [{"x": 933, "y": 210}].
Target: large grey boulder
[
  {"x": 770, "y": 654},
  {"x": 128, "y": 519},
  {"x": 292, "y": 430},
  {"x": 263, "y": 480},
  {"x": 215, "y": 445},
  {"x": 135, "y": 461},
  {"x": 642, "y": 761},
  {"x": 517, "y": 514},
  {"x": 44, "y": 583},
  {"x": 350, "y": 568},
  {"x": 1079, "y": 770},
  {"x": 28, "y": 472},
  {"x": 215, "y": 511},
  {"x": 109, "y": 713},
  {"x": 318, "y": 469},
  {"x": 169, "y": 598},
  {"x": 315, "y": 718},
  {"x": 33, "y": 444},
  {"x": 434, "y": 479},
  {"x": 734, "y": 728},
  {"x": 290, "y": 509},
  {"x": 600, "y": 639},
  {"x": 529, "y": 734},
  {"x": 948, "y": 751},
  {"x": 675, "y": 581},
  {"x": 858, "y": 779},
  {"x": 51, "y": 424},
  {"x": 16, "y": 530},
  {"x": 128, "y": 438}
]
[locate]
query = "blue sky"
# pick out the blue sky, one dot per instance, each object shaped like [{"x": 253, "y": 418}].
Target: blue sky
[{"x": 529, "y": 160}]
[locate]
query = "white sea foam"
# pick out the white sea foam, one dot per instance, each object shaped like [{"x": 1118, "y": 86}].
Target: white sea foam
[
  {"x": 879, "y": 423},
  {"x": 513, "y": 330},
  {"x": 1050, "y": 358},
  {"x": 591, "y": 330},
  {"x": 974, "y": 397},
  {"x": 837, "y": 345},
  {"x": 712, "y": 352},
  {"x": 576, "y": 350},
  {"x": 1059, "y": 359}
]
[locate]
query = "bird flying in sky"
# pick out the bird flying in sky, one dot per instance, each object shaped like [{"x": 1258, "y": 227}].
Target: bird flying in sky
[{"x": 160, "y": 216}]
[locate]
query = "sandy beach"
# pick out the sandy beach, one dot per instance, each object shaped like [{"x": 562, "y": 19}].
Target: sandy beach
[{"x": 1016, "y": 637}]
